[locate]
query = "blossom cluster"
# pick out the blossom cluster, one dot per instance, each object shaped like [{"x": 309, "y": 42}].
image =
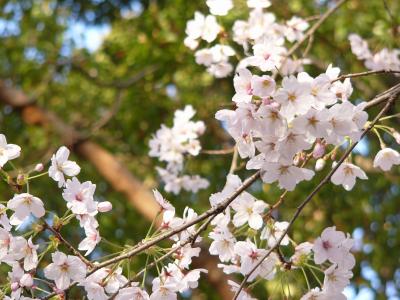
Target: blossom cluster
[
  {"x": 21, "y": 252},
  {"x": 385, "y": 59},
  {"x": 260, "y": 35},
  {"x": 273, "y": 126},
  {"x": 247, "y": 220},
  {"x": 282, "y": 118},
  {"x": 171, "y": 145}
]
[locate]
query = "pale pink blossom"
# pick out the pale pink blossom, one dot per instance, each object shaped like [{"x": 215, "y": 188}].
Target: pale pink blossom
[
  {"x": 65, "y": 268},
  {"x": 346, "y": 175},
  {"x": 7, "y": 151},
  {"x": 60, "y": 166},
  {"x": 23, "y": 206},
  {"x": 386, "y": 158}
]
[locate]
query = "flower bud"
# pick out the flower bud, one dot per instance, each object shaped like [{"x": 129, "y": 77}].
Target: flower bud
[
  {"x": 21, "y": 179},
  {"x": 104, "y": 206},
  {"x": 14, "y": 286},
  {"x": 26, "y": 280},
  {"x": 319, "y": 150},
  {"x": 396, "y": 136},
  {"x": 320, "y": 164},
  {"x": 39, "y": 167}
]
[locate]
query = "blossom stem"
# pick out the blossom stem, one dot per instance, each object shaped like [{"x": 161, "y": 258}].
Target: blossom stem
[
  {"x": 315, "y": 275},
  {"x": 306, "y": 278},
  {"x": 382, "y": 143},
  {"x": 37, "y": 176},
  {"x": 390, "y": 117}
]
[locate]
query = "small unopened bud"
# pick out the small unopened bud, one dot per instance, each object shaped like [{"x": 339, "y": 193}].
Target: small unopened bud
[
  {"x": 104, "y": 206},
  {"x": 39, "y": 167},
  {"x": 319, "y": 150},
  {"x": 21, "y": 179},
  {"x": 14, "y": 286},
  {"x": 396, "y": 136},
  {"x": 26, "y": 280},
  {"x": 334, "y": 164},
  {"x": 320, "y": 164}
]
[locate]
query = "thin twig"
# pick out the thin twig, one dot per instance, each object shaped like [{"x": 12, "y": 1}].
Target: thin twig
[
  {"x": 234, "y": 161},
  {"x": 219, "y": 152},
  {"x": 299, "y": 209},
  {"x": 191, "y": 239},
  {"x": 361, "y": 74},
  {"x": 67, "y": 244},
  {"x": 314, "y": 28}
]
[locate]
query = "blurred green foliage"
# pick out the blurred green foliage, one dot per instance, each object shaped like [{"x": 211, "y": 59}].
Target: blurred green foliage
[{"x": 38, "y": 56}]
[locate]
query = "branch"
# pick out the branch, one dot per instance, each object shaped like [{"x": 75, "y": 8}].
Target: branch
[
  {"x": 391, "y": 98},
  {"x": 314, "y": 28},
  {"x": 67, "y": 244},
  {"x": 219, "y": 152},
  {"x": 190, "y": 239},
  {"x": 211, "y": 212},
  {"x": 361, "y": 74},
  {"x": 382, "y": 97}
]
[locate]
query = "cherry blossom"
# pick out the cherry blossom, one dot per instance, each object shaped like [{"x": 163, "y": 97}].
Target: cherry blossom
[
  {"x": 23, "y": 205},
  {"x": 327, "y": 247},
  {"x": 7, "y": 151},
  {"x": 223, "y": 244},
  {"x": 79, "y": 196},
  {"x": 65, "y": 268},
  {"x": 92, "y": 239},
  {"x": 248, "y": 210},
  {"x": 293, "y": 97},
  {"x": 258, "y": 3},
  {"x": 219, "y": 7},
  {"x": 132, "y": 292},
  {"x": 4, "y": 221},
  {"x": 250, "y": 255},
  {"x": 346, "y": 175},
  {"x": 30, "y": 255},
  {"x": 272, "y": 232},
  {"x": 336, "y": 279},
  {"x": 288, "y": 176},
  {"x": 204, "y": 27},
  {"x": 386, "y": 158},
  {"x": 60, "y": 166}
]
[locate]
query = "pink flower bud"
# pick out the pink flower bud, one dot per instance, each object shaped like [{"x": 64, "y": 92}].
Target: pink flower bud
[
  {"x": 14, "y": 286},
  {"x": 26, "y": 280},
  {"x": 320, "y": 164},
  {"x": 104, "y": 206},
  {"x": 319, "y": 150},
  {"x": 39, "y": 167},
  {"x": 396, "y": 136}
]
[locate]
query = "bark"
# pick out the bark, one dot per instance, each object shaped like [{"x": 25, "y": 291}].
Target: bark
[{"x": 113, "y": 171}]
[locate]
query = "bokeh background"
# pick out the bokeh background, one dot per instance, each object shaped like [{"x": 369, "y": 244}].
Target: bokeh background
[{"x": 102, "y": 76}]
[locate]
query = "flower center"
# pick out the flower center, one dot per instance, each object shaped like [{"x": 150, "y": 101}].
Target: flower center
[{"x": 326, "y": 245}]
